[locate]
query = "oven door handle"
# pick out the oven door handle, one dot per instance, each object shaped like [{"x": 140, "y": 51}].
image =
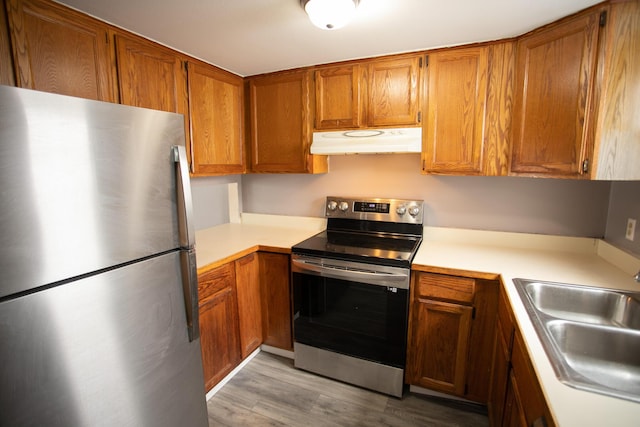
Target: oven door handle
[{"x": 398, "y": 280}]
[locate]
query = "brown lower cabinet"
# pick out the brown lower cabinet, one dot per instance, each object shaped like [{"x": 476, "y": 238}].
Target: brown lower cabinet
[
  {"x": 243, "y": 304},
  {"x": 219, "y": 330},
  {"x": 516, "y": 398},
  {"x": 451, "y": 324}
]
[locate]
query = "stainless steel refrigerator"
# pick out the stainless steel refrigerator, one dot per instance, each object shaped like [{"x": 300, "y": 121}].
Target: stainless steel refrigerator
[{"x": 98, "y": 287}]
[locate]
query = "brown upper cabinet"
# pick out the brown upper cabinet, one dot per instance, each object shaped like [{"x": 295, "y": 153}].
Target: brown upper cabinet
[
  {"x": 338, "y": 97},
  {"x": 280, "y": 124},
  {"x": 555, "y": 75},
  {"x": 370, "y": 93},
  {"x": 617, "y": 151},
  {"x": 393, "y": 91},
  {"x": 151, "y": 76},
  {"x": 454, "y": 129},
  {"x": 216, "y": 110},
  {"x": 58, "y": 50}
]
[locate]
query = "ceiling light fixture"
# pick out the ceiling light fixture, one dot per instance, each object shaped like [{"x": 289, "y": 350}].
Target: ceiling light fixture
[{"x": 330, "y": 14}]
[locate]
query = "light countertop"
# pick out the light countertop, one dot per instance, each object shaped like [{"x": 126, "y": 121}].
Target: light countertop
[
  {"x": 551, "y": 258},
  {"x": 484, "y": 254}
]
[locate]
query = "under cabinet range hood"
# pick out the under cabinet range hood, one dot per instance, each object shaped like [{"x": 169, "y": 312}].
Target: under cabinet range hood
[{"x": 368, "y": 141}]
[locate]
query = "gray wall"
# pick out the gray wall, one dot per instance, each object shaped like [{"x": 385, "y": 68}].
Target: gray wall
[
  {"x": 545, "y": 206},
  {"x": 211, "y": 200},
  {"x": 624, "y": 203}
]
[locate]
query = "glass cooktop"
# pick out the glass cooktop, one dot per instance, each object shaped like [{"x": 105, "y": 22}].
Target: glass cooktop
[{"x": 381, "y": 249}]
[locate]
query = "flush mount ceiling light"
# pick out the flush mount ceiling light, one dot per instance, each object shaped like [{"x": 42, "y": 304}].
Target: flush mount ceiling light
[{"x": 330, "y": 14}]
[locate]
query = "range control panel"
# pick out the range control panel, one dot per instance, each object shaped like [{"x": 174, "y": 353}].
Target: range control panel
[{"x": 375, "y": 209}]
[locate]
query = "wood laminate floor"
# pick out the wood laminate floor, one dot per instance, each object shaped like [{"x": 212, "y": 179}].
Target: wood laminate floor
[{"x": 269, "y": 391}]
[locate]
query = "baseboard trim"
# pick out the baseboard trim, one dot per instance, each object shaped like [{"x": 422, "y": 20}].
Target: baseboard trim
[{"x": 230, "y": 375}]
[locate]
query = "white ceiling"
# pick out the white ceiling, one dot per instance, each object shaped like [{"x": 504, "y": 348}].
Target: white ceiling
[{"x": 250, "y": 37}]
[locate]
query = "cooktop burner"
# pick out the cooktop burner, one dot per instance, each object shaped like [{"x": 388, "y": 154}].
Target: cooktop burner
[{"x": 374, "y": 231}]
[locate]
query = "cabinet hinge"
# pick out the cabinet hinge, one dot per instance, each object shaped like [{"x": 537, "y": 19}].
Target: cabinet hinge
[
  {"x": 106, "y": 38},
  {"x": 603, "y": 18},
  {"x": 585, "y": 166},
  {"x": 426, "y": 61},
  {"x": 419, "y": 116},
  {"x": 473, "y": 313}
]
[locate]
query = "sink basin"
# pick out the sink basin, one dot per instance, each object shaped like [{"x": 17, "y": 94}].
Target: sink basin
[
  {"x": 599, "y": 358},
  {"x": 585, "y": 304},
  {"x": 590, "y": 335}
]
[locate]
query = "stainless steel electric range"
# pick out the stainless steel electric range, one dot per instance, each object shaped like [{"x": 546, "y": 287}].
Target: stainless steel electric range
[{"x": 351, "y": 292}]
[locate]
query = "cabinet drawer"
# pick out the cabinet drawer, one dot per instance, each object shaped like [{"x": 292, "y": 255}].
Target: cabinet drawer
[
  {"x": 449, "y": 288},
  {"x": 213, "y": 281}
]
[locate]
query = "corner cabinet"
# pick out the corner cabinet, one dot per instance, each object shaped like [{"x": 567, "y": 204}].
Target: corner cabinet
[
  {"x": 516, "y": 398},
  {"x": 280, "y": 124},
  {"x": 243, "y": 304},
  {"x": 553, "y": 105},
  {"x": 216, "y": 111},
  {"x": 450, "y": 340},
  {"x": 56, "y": 49}
]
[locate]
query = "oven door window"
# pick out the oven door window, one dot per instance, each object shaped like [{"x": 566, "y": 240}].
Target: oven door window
[{"x": 361, "y": 320}]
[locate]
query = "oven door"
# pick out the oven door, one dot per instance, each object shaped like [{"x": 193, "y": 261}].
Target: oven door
[{"x": 351, "y": 308}]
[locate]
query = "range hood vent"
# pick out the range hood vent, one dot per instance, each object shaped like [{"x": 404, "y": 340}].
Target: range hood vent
[{"x": 368, "y": 141}]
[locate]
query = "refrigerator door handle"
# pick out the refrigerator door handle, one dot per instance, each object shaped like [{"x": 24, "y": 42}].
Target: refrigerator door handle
[
  {"x": 185, "y": 206},
  {"x": 187, "y": 241},
  {"x": 190, "y": 291}
]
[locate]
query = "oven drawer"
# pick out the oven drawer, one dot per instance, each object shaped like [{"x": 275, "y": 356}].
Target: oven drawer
[{"x": 446, "y": 288}]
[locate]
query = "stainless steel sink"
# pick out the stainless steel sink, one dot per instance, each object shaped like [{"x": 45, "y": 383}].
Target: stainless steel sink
[
  {"x": 591, "y": 335},
  {"x": 585, "y": 304}
]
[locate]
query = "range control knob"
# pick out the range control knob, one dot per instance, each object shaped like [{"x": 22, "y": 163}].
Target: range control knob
[
  {"x": 401, "y": 210},
  {"x": 343, "y": 206},
  {"x": 414, "y": 210},
  {"x": 332, "y": 205}
]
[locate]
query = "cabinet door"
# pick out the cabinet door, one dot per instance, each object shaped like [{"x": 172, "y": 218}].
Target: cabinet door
[
  {"x": 7, "y": 76},
  {"x": 338, "y": 97},
  {"x": 499, "y": 379},
  {"x": 441, "y": 339},
  {"x": 618, "y": 154},
  {"x": 216, "y": 110},
  {"x": 249, "y": 302},
  {"x": 218, "y": 323},
  {"x": 454, "y": 132},
  {"x": 281, "y": 124},
  {"x": 393, "y": 87},
  {"x": 59, "y": 50},
  {"x": 513, "y": 409},
  {"x": 151, "y": 76},
  {"x": 276, "y": 297},
  {"x": 555, "y": 71},
  {"x": 527, "y": 388}
]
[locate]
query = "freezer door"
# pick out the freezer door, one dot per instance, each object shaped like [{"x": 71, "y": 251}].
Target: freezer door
[
  {"x": 108, "y": 350},
  {"x": 86, "y": 185}
]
